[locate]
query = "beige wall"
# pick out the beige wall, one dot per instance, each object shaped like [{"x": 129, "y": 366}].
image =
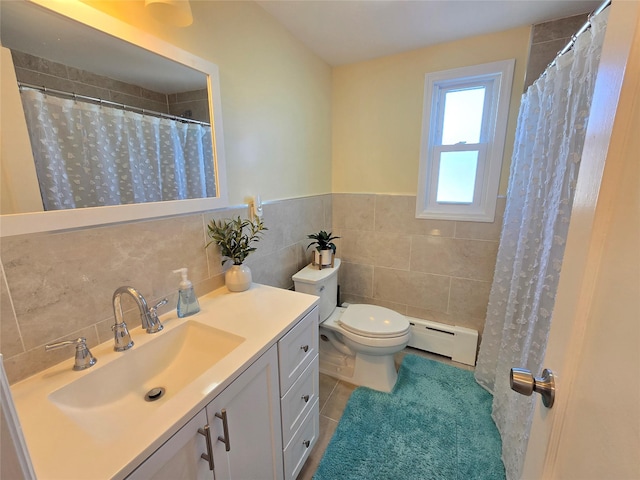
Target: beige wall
[
  {"x": 377, "y": 110},
  {"x": 276, "y": 96}
]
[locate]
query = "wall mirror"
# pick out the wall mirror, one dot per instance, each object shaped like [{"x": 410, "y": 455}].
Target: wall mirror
[{"x": 95, "y": 44}]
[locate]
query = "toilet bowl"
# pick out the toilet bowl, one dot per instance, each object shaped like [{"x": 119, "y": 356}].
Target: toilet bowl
[{"x": 358, "y": 342}]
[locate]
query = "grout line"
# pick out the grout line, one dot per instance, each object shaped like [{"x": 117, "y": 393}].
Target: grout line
[
  {"x": 13, "y": 308},
  {"x": 329, "y": 418},
  {"x": 328, "y": 398}
]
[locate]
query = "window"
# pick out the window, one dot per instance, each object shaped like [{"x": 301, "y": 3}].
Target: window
[{"x": 464, "y": 123}]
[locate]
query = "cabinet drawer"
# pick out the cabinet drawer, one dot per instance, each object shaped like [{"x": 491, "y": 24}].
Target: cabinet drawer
[
  {"x": 299, "y": 400},
  {"x": 298, "y": 449},
  {"x": 297, "y": 349}
]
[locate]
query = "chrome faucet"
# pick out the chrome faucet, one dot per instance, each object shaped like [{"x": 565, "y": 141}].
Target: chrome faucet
[{"x": 148, "y": 316}]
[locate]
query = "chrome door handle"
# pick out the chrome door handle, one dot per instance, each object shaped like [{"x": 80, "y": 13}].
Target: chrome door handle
[
  {"x": 225, "y": 429},
  {"x": 523, "y": 382},
  {"x": 206, "y": 433}
]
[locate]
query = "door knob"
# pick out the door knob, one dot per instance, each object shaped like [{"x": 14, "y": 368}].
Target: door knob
[{"x": 523, "y": 382}]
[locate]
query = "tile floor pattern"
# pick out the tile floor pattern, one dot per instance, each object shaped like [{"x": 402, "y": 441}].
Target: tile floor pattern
[{"x": 334, "y": 395}]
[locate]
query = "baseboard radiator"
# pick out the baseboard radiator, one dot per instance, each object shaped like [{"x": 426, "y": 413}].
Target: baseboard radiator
[{"x": 458, "y": 343}]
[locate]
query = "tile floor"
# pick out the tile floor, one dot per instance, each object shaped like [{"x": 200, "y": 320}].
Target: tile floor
[{"x": 334, "y": 395}]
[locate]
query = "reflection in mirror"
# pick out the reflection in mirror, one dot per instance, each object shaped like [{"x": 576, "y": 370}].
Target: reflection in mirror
[
  {"x": 129, "y": 125},
  {"x": 91, "y": 153}
]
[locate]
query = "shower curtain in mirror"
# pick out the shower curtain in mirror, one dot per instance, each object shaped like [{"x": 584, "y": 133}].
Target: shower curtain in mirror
[
  {"x": 90, "y": 155},
  {"x": 548, "y": 147}
]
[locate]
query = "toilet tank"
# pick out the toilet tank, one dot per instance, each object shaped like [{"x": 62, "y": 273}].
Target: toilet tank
[{"x": 322, "y": 283}]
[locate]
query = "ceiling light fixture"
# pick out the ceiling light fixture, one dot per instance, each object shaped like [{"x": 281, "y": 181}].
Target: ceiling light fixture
[{"x": 172, "y": 12}]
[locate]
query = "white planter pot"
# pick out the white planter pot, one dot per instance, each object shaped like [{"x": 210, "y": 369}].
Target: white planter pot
[
  {"x": 238, "y": 278},
  {"x": 322, "y": 257}
]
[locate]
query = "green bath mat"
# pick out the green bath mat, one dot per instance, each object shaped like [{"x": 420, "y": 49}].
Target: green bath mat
[{"x": 436, "y": 424}]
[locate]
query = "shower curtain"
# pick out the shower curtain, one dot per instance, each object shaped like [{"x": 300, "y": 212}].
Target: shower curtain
[
  {"x": 549, "y": 139},
  {"x": 90, "y": 155}
]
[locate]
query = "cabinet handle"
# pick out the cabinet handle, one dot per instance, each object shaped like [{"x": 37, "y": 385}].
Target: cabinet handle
[
  {"x": 305, "y": 348},
  {"x": 305, "y": 398},
  {"x": 206, "y": 432},
  {"x": 306, "y": 443},
  {"x": 225, "y": 428}
]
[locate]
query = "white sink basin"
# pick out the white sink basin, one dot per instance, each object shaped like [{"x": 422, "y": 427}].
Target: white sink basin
[{"x": 101, "y": 401}]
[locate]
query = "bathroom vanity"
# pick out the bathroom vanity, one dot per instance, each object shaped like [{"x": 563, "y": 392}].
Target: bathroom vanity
[{"x": 240, "y": 396}]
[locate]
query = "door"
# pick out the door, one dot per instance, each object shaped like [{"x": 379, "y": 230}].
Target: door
[
  {"x": 593, "y": 430},
  {"x": 180, "y": 456},
  {"x": 245, "y": 420}
]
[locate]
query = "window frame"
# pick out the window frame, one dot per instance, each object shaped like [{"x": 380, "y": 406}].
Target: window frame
[{"x": 497, "y": 78}]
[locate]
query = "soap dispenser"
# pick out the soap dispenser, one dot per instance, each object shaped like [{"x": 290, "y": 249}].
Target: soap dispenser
[{"x": 187, "y": 300}]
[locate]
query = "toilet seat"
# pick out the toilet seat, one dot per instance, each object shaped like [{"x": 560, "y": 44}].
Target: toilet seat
[{"x": 372, "y": 321}]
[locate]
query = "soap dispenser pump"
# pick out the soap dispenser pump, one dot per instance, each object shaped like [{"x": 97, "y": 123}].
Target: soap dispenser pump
[{"x": 187, "y": 300}]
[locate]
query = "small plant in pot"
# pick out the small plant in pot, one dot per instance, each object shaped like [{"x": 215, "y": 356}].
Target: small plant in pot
[
  {"x": 325, "y": 249},
  {"x": 235, "y": 238}
]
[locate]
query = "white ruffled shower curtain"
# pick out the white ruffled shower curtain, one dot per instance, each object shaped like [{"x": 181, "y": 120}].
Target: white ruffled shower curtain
[
  {"x": 90, "y": 155},
  {"x": 548, "y": 147}
]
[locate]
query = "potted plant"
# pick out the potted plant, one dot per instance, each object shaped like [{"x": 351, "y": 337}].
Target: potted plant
[
  {"x": 235, "y": 238},
  {"x": 325, "y": 248}
]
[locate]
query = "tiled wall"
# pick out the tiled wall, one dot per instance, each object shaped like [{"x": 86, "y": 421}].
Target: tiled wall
[
  {"x": 194, "y": 105},
  {"x": 434, "y": 269},
  {"x": 43, "y": 72},
  {"x": 59, "y": 285},
  {"x": 547, "y": 39}
]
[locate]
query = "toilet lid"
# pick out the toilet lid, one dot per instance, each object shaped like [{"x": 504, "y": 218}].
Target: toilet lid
[{"x": 373, "y": 321}]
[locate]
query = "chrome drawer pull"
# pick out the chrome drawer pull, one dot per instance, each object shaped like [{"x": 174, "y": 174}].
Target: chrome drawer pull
[
  {"x": 305, "y": 348},
  {"x": 225, "y": 427},
  {"x": 305, "y": 398},
  {"x": 206, "y": 432}
]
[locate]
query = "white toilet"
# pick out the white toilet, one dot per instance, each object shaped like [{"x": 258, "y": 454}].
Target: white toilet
[{"x": 358, "y": 342}]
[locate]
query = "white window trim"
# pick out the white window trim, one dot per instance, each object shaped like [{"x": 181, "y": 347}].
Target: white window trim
[{"x": 492, "y": 144}]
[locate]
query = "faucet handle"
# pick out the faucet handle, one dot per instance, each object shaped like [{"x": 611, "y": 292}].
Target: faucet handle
[
  {"x": 152, "y": 322},
  {"x": 84, "y": 359},
  {"x": 161, "y": 303}
]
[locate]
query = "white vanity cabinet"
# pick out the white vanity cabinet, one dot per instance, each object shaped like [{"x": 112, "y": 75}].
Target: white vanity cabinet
[
  {"x": 247, "y": 361},
  {"x": 298, "y": 365},
  {"x": 249, "y": 446}
]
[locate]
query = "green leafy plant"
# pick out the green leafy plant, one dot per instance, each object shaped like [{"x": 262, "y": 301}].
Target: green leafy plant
[
  {"x": 322, "y": 241},
  {"x": 233, "y": 240}
]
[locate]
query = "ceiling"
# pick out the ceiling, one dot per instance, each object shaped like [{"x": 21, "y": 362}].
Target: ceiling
[
  {"x": 349, "y": 31},
  {"x": 339, "y": 31}
]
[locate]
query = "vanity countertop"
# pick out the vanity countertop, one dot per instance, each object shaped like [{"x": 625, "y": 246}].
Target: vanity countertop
[{"x": 63, "y": 448}]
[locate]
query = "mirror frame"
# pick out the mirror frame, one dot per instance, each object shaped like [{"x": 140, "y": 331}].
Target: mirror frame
[{"x": 35, "y": 222}]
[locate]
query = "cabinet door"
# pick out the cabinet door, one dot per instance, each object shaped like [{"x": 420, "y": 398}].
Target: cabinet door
[
  {"x": 179, "y": 457},
  {"x": 250, "y": 407}
]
